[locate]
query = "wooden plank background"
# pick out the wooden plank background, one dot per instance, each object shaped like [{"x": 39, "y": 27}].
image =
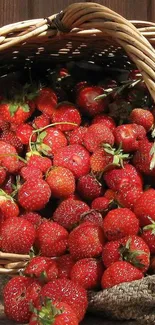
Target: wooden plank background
[{"x": 18, "y": 10}]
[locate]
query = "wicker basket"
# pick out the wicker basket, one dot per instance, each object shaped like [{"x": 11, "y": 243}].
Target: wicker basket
[{"x": 70, "y": 35}]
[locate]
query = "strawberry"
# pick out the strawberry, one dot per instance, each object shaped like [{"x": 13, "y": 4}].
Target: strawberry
[
  {"x": 89, "y": 188},
  {"x": 35, "y": 160},
  {"x": 77, "y": 135},
  {"x": 148, "y": 234},
  {"x": 50, "y": 140},
  {"x": 4, "y": 126},
  {"x": 52, "y": 239},
  {"x": 106, "y": 120},
  {"x": 17, "y": 236},
  {"x": 24, "y": 132},
  {"x": 34, "y": 194},
  {"x": 66, "y": 112},
  {"x": 87, "y": 273},
  {"x": 92, "y": 216},
  {"x": 28, "y": 173},
  {"x": 120, "y": 272},
  {"x": 33, "y": 217},
  {"x": 64, "y": 290},
  {"x": 142, "y": 117},
  {"x": 16, "y": 113},
  {"x": 58, "y": 313},
  {"x": 12, "y": 139},
  {"x": 41, "y": 121},
  {"x": 74, "y": 157},
  {"x": 64, "y": 265},
  {"x": 39, "y": 266},
  {"x": 69, "y": 212},
  {"x": 8, "y": 208},
  {"x": 18, "y": 293},
  {"x": 8, "y": 157},
  {"x": 61, "y": 182},
  {"x": 132, "y": 249},
  {"x": 110, "y": 195},
  {"x": 9, "y": 184},
  {"x": 97, "y": 135},
  {"x": 129, "y": 135},
  {"x": 47, "y": 102},
  {"x": 2, "y": 175},
  {"x": 143, "y": 158},
  {"x": 87, "y": 102},
  {"x": 119, "y": 223},
  {"x": 86, "y": 240},
  {"x": 144, "y": 207},
  {"x": 117, "y": 176},
  {"x": 107, "y": 158},
  {"x": 128, "y": 195},
  {"x": 100, "y": 204}
]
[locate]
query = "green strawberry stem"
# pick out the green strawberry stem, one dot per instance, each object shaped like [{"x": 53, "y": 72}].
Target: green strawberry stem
[
  {"x": 131, "y": 256},
  {"x": 118, "y": 155},
  {"x": 4, "y": 194},
  {"x": 46, "y": 127},
  {"x": 47, "y": 314}
]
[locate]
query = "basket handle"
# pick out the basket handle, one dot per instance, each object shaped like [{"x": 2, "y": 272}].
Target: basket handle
[{"x": 86, "y": 16}]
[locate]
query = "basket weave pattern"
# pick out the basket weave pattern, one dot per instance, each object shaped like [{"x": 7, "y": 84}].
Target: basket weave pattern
[{"x": 73, "y": 34}]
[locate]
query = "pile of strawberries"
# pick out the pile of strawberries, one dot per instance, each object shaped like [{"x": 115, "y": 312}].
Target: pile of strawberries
[{"x": 77, "y": 192}]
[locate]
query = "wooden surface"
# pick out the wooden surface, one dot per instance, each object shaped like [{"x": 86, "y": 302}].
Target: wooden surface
[{"x": 18, "y": 10}]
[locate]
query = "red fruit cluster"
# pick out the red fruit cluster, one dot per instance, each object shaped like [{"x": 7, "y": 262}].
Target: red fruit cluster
[{"x": 76, "y": 195}]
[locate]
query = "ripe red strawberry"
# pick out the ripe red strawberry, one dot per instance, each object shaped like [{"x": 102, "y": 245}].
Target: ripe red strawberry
[
  {"x": 8, "y": 184},
  {"x": 97, "y": 135},
  {"x": 50, "y": 140},
  {"x": 89, "y": 188},
  {"x": 74, "y": 157},
  {"x": 41, "y": 121},
  {"x": 12, "y": 139},
  {"x": 128, "y": 195},
  {"x": 39, "y": 266},
  {"x": 66, "y": 112},
  {"x": 61, "y": 182},
  {"x": 37, "y": 161},
  {"x": 100, "y": 204},
  {"x": 77, "y": 135},
  {"x": 23, "y": 132},
  {"x": 34, "y": 194},
  {"x": 144, "y": 207},
  {"x": 129, "y": 135},
  {"x": 4, "y": 126},
  {"x": 17, "y": 236},
  {"x": 132, "y": 249},
  {"x": 99, "y": 160},
  {"x": 52, "y": 239},
  {"x": 87, "y": 102},
  {"x": 18, "y": 293},
  {"x": 142, "y": 117},
  {"x": 47, "y": 102},
  {"x": 148, "y": 234},
  {"x": 29, "y": 173},
  {"x": 64, "y": 290},
  {"x": 69, "y": 212},
  {"x": 51, "y": 272},
  {"x": 8, "y": 157},
  {"x": 86, "y": 240},
  {"x": 33, "y": 217},
  {"x": 58, "y": 313},
  {"x": 92, "y": 216},
  {"x": 64, "y": 265},
  {"x": 16, "y": 113},
  {"x": 117, "y": 176},
  {"x": 106, "y": 120},
  {"x": 119, "y": 223},
  {"x": 87, "y": 273},
  {"x": 120, "y": 272},
  {"x": 110, "y": 195},
  {"x": 143, "y": 159},
  {"x": 2, "y": 175},
  {"x": 8, "y": 208}
]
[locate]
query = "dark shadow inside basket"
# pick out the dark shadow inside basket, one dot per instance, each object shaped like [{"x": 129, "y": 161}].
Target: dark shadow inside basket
[{"x": 87, "y": 57}]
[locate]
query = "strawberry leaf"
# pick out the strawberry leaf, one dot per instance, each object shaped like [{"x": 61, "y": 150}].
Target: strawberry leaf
[
  {"x": 13, "y": 108},
  {"x": 42, "y": 135},
  {"x": 25, "y": 107}
]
